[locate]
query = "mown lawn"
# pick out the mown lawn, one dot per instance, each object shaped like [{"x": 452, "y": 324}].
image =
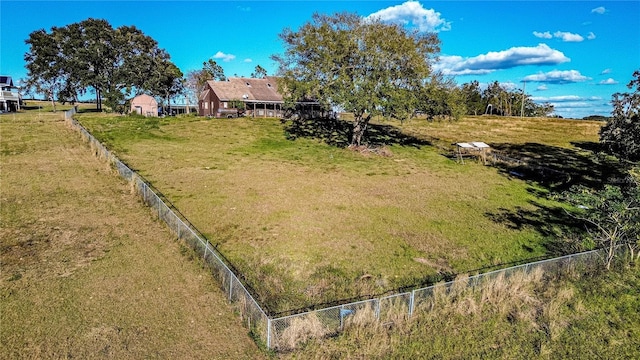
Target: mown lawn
[
  {"x": 308, "y": 222},
  {"x": 87, "y": 272}
]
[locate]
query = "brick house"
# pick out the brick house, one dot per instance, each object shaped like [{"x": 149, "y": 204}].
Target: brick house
[{"x": 241, "y": 96}]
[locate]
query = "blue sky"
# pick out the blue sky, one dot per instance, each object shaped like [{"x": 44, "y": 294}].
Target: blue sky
[{"x": 574, "y": 54}]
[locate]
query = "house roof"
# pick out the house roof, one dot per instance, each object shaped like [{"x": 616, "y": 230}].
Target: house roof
[
  {"x": 144, "y": 99},
  {"x": 6, "y": 81},
  {"x": 247, "y": 89},
  {"x": 204, "y": 94}
]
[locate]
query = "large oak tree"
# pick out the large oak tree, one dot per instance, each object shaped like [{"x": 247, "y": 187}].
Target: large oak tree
[
  {"x": 92, "y": 55},
  {"x": 361, "y": 65}
]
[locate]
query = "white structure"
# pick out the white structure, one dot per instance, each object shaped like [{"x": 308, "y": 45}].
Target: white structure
[
  {"x": 477, "y": 148},
  {"x": 10, "y": 98}
]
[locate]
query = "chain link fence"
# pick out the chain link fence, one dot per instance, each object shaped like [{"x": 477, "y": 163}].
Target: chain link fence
[
  {"x": 287, "y": 332},
  {"x": 249, "y": 310}
]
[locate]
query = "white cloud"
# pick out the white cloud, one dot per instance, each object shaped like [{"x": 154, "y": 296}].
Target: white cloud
[
  {"x": 224, "y": 57},
  {"x": 566, "y": 98},
  {"x": 543, "y": 35},
  {"x": 243, "y": 8},
  {"x": 605, "y": 71},
  {"x": 609, "y": 81},
  {"x": 558, "y": 77},
  {"x": 574, "y": 106},
  {"x": 567, "y": 36},
  {"x": 412, "y": 13},
  {"x": 510, "y": 86},
  {"x": 599, "y": 10},
  {"x": 247, "y": 60},
  {"x": 591, "y": 36},
  {"x": 570, "y": 105},
  {"x": 542, "y": 87},
  {"x": 506, "y": 59}
]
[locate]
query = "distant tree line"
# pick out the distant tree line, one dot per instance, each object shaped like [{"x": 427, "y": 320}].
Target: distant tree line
[
  {"x": 498, "y": 99},
  {"x": 93, "y": 56}
]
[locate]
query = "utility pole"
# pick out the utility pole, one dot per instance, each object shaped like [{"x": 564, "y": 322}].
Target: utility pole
[{"x": 524, "y": 85}]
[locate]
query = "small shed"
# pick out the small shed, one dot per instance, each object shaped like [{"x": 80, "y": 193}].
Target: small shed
[{"x": 144, "y": 105}]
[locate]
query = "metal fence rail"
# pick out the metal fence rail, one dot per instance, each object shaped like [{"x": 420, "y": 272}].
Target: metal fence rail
[{"x": 285, "y": 333}]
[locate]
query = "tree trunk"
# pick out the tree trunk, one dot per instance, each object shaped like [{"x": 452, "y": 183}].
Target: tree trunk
[
  {"x": 611, "y": 253},
  {"x": 98, "y": 100},
  {"x": 53, "y": 102},
  {"x": 359, "y": 127}
]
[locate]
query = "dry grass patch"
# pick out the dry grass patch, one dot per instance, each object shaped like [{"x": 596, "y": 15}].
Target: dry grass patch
[
  {"x": 512, "y": 130},
  {"x": 86, "y": 270},
  {"x": 487, "y": 320}
]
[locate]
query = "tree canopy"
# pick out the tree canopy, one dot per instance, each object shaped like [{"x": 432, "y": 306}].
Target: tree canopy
[
  {"x": 499, "y": 99},
  {"x": 361, "y": 65},
  {"x": 621, "y": 134},
  {"x": 259, "y": 72},
  {"x": 92, "y": 55}
]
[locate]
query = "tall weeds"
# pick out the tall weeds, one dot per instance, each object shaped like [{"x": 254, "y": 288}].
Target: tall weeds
[{"x": 525, "y": 303}]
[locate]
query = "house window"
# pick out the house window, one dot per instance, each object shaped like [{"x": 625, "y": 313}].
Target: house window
[
  {"x": 206, "y": 105},
  {"x": 224, "y": 104}
]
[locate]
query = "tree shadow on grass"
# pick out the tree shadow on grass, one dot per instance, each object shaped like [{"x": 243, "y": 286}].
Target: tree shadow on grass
[
  {"x": 338, "y": 133},
  {"x": 557, "y": 168},
  {"x": 552, "y": 222},
  {"x": 552, "y": 170}
]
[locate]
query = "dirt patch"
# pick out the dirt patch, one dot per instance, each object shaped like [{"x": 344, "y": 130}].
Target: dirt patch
[{"x": 440, "y": 265}]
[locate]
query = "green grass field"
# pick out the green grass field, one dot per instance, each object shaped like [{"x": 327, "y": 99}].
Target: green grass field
[
  {"x": 310, "y": 223},
  {"x": 87, "y": 272}
]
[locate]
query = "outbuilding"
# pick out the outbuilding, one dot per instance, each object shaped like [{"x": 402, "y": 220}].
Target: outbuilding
[{"x": 144, "y": 105}]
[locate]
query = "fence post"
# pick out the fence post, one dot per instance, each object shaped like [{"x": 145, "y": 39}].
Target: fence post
[
  {"x": 158, "y": 201},
  {"x": 268, "y": 333},
  {"x": 204, "y": 253},
  {"x": 230, "y": 284},
  {"x": 411, "y": 302},
  {"x": 144, "y": 193}
]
